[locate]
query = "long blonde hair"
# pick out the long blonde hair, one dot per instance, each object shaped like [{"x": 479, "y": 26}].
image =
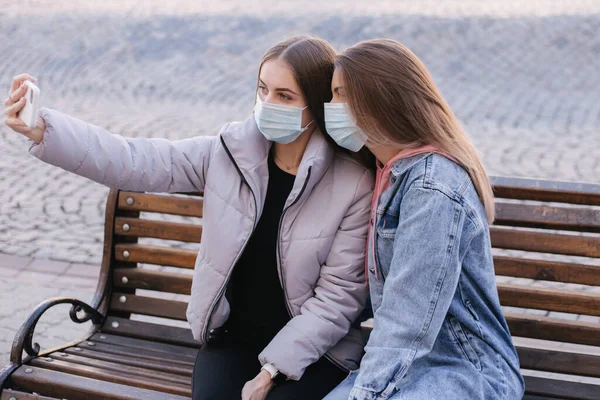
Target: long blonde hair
[{"x": 396, "y": 102}]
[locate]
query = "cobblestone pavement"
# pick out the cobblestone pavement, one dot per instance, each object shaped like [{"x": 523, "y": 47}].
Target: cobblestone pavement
[
  {"x": 522, "y": 76},
  {"x": 523, "y": 79},
  {"x": 27, "y": 282}
]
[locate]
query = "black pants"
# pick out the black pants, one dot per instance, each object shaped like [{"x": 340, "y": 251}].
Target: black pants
[{"x": 223, "y": 368}]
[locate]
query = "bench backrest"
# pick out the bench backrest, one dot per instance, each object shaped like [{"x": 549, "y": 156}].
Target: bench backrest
[
  {"x": 546, "y": 242},
  {"x": 151, "y": 243}
]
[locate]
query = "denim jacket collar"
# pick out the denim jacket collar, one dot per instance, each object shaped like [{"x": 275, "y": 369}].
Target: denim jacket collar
[
  {"x": 404, "y": 164},
  {"x": 397, "y": 170}
]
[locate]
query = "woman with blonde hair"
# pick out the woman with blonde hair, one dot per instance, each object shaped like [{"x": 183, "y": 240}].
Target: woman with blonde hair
[{"x": 438, "y": 330}]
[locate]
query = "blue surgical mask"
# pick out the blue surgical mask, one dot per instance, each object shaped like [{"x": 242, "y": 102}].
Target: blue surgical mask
[
  {"x": 279, "y": 123},
  {"x": 341, "y": 127}
]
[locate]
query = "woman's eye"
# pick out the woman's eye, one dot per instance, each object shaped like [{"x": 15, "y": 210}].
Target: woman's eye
[
  {"x": 284, "y": 97},
  {"x": 262, "y": 89}
]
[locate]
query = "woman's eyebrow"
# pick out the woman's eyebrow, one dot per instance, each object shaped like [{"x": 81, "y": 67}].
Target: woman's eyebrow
[
  {"x": 278, "y": 89},
  {"x": 285, "y": 90}
]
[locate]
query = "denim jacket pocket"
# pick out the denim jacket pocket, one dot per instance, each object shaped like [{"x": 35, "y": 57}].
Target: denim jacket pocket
[
  {"x": 387, "y": 226},
  {"x": 475, "y": 316},
  {"x": 463, "y": 341}
]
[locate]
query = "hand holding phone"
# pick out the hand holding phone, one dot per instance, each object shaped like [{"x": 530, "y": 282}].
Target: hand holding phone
[
  {"x": 22, "y": 108},
  {"x": 29, "y": 113}
]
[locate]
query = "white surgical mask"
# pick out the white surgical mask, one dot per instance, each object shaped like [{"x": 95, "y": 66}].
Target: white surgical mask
[
  {"x": 341, "y": 127},
  {"x": 279, "y": 123}
]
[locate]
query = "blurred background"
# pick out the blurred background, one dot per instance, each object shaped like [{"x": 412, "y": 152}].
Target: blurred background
[{"x": 523, "y": 76}]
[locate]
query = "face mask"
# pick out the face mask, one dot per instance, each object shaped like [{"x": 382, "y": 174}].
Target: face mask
[
  {"x": 341, "y": 127},
  {"x": 279, "y": 123}
]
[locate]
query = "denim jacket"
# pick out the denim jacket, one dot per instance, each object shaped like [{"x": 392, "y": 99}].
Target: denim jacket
[{"x": 434, "y": 298}]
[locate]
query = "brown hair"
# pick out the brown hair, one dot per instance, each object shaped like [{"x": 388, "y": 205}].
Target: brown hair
[
  {"x": 394, "y": 100},
  {"x": 311, "y": 60}
]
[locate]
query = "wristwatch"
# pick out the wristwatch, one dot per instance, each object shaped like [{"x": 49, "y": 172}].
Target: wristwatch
[{"x": 276, "y": 376}]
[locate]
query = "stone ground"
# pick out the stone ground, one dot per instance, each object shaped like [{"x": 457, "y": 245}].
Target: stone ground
[
  {"x": 26, "y": 282},
  {"x": 521, "y": 76}
]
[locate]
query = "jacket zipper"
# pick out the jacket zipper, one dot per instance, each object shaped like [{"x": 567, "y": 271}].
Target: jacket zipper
[
  {"x": 223, "y": 288},
  {"x": 280, "y": 263}
]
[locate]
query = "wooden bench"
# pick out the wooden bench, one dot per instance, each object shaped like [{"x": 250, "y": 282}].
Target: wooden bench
[{"x": 548, "y": 226}]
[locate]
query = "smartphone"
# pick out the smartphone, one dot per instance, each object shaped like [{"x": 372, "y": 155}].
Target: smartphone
[{"x": 29, "y": 113}]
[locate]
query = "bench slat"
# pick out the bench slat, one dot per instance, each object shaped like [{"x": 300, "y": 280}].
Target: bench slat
[
  {"x": 73, "y": 387},
  {"x": 185, "y": 206},
  {"x": 549, "y": 217},
  {"x": 161, "y": 366},
  {"x": 145, "y": 344},
  {"x": 149, "y": 306},
  {"x": 152, "y": 280},
  {"x": 146, "y": 354},
  {"x": 158, "y": 229},
  {"x": 543, "y": 242},
  {"x": 149, "y": 331},
  {"x": 544, "y": 190},
  {"x": 117, "y": 367},
  {"x": 549, "y": 299},
  {"x": 559, "y": 361},
  {"x": 561, "y": 388},
  {"x": 8, "y": 394},
  {"x": 115, "y": 376},
  {"x": 113, "y": 367},
  {"x": 547, "y": 270},
  {"x": 157, "y": 255},
  {"x": 560, "y": 330}
]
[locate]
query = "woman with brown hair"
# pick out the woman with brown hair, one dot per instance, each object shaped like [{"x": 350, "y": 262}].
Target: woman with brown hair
[
  {"x": 438, "y": 329},
  {"x": 278, "y": 280}
]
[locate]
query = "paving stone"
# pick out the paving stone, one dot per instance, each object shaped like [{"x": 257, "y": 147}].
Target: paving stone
[
  {"x": 67, "y": 281},
  {"x": 13, "y": 262},
  {"x": 8, "y": 272},
  {"x": 83, "y": 270},
  {"x": 48, "y": 266},
  {"x": 36, "y": 276}
]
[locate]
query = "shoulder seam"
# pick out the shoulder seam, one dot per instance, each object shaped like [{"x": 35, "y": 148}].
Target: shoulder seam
[{"x": 469, "y": 210}]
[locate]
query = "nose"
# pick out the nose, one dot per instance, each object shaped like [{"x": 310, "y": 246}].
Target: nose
[
  {"x": 269, "y": 98},
  {"x": 336, "y": 99}
]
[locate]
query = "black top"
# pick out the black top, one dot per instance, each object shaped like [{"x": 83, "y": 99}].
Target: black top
[{"x": 258, "y": 309}]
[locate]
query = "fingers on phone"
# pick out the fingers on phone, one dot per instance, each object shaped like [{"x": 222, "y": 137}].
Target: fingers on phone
[
  {"x": 20, "y": 79},
  {"x": 19, "y": 93},
  {"x": 14, "y": 108},
  {"x": 15, "y": 95}
]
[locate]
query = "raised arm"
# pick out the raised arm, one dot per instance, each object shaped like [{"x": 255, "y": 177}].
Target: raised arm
[{"x": 143, "y": 165}]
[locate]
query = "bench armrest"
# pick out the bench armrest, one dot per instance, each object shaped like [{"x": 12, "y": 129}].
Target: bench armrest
[{"x": 24, "y": 338}]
